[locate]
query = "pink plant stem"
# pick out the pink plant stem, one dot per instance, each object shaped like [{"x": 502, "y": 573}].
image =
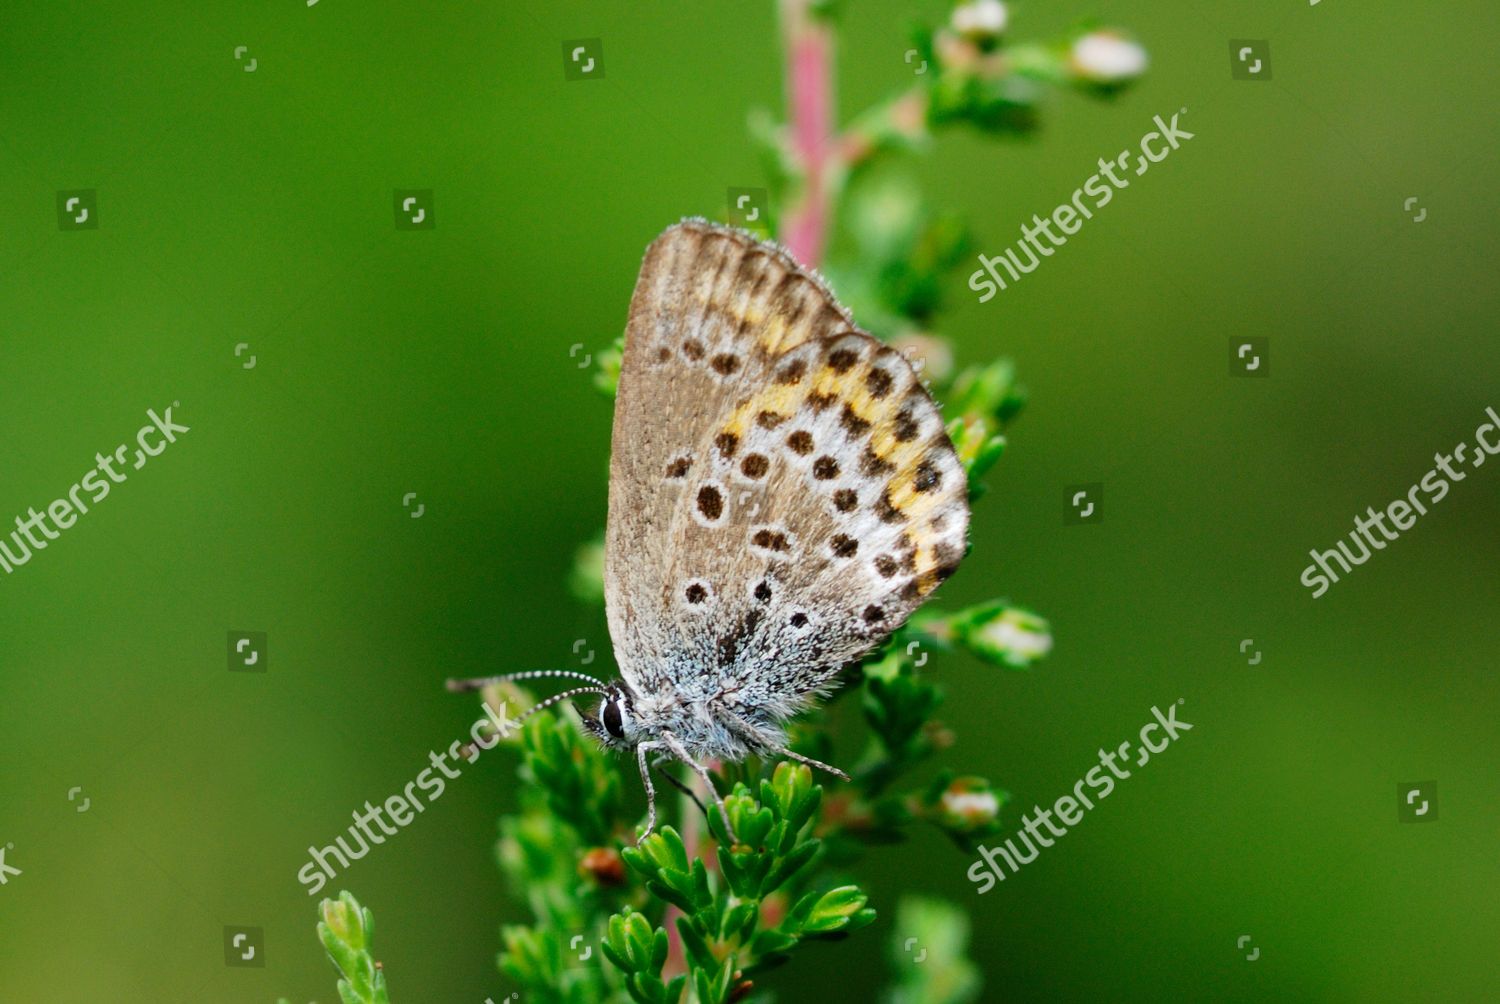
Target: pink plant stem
[
  {"x": 676, "y": 963},
  {"x": 691, "y": 840},
  {"x": 810, "y": 98}
]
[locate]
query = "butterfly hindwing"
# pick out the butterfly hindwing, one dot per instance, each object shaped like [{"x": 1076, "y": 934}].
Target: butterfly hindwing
[{"x": 782, "y": 491}]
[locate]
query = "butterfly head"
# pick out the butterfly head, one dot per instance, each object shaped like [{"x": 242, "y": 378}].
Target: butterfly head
[{"x": 616, "y": 723}]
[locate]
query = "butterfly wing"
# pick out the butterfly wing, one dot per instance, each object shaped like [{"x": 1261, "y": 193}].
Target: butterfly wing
[{"x": 782, "y": 491}]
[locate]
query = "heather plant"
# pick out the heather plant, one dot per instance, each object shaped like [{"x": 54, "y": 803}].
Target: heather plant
[{"x": 687, "y": 914}]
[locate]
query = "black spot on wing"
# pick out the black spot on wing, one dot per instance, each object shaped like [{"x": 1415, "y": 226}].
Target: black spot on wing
[{"x": 710, "y": 502}]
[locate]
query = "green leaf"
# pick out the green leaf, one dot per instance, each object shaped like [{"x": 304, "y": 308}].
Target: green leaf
[
  {"x": 978, "y": 447},
  {"x": 345, "y": 931},
  {"x": 990, "y": 391},
  {"x": 792, "y": 792},
  {"x": 639, "y": 950},
  {"x": 832, "y": 911},
  {"x": 580, "y": 785},
  {"x": 897, "y": 709},
  {"x": 788, "y": 866},
  {"x": 695, "y": 944},
  {"x": 739, "y": 921}
]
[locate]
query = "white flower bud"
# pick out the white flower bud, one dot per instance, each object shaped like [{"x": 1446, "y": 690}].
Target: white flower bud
[
  {"x": 971, "y": 806},
  {"x": 1015, "y": 637},
  {"x": 1107, "y": 58},
  {"x": 982, "y": 18}
]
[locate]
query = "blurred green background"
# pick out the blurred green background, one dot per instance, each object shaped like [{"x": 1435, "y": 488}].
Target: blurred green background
[{"x": 256, "y": 207}]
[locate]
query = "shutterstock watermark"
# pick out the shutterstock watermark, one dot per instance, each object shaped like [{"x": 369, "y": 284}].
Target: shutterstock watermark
[
  {"x": 1320, "y": 576},
  {"x": 97, "y": 483},
  {"x": 405, "y": 805},
  {"x": 1069, "y": 809},
  {"x": 987, "y": 280}
]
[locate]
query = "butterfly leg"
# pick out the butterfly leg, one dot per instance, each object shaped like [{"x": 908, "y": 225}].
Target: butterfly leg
[
  {"x": 640, "y": 758},
  {"x": 811, "y": 762},
  {"x": 682, "y": 754},
  {"x": 760, "y": 740},
  {"x": 689, "y": 792}
]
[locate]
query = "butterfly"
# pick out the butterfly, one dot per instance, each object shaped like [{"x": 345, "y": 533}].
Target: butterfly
[{"x": 782, "y": 495}]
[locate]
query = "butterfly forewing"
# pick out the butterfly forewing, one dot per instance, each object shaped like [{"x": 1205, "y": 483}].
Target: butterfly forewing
[{"x": 782, "y": 491}]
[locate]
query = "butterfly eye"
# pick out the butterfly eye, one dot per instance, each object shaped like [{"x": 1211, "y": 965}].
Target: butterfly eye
[{"x": 612, "y": 714}]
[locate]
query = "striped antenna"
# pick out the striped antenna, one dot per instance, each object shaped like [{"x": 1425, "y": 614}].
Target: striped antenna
[
  {"x": 461, "y": 686},
  {"x": 559, "y": 697}
]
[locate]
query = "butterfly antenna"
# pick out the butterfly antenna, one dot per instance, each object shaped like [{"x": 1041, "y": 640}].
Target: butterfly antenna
[
  {"x": 544, "y": 705},
  {"x": 461, "y": 686}
]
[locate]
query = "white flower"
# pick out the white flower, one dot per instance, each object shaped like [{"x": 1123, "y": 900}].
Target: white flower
[
  {"x": 1107, "y": 58},
  {"x": 980, "y": 18},
  {"x": 1022, "y": 638},
  {"x": 972, "y": 807}
]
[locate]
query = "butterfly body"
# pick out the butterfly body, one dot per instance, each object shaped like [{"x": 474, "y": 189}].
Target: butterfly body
[
  {"x": 783, "y": 494},
  {"x": 714, "y": 728}
]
